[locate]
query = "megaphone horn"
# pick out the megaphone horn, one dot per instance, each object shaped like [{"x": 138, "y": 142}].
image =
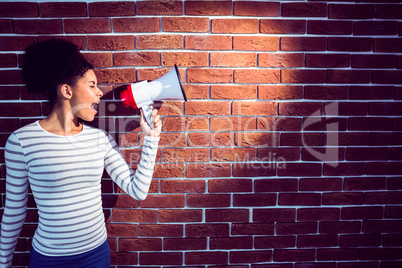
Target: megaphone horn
[{"x": 142, "y": 94}]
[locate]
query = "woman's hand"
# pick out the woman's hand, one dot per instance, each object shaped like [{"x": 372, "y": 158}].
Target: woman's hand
[{"x": 156, "y": 121}]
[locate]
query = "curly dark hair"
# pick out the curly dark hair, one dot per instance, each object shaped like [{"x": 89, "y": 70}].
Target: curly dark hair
[{"x": 51, "y": 63}]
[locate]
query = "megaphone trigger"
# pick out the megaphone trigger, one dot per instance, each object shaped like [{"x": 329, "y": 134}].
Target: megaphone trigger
[{"x": 147, "y": 112}]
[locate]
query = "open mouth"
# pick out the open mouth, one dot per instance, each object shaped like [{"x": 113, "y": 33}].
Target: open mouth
[{"x": 95, "y": 106}]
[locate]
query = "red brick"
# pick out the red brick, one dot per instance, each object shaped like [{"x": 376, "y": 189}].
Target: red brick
[
  {"x": 329, "y": 27},
  {"x": 349, "y": 44},
  {"x": 300, "y": 108},
  {"x": 96, "y": 25},
  {"x": 337, "y": 227},
  {"x": 320, "y": 184},
  {"x": 280, "y": 92},
  {"x": 304, "y": 9},
  {"x": 338, "y": 254},
  {"x": 163, "y": 201},
  {"x": 208, "y": 200},
  {"x": 256, "y": 9},
  {"x": 6, "y": 26},
  {"x": 387, "y": 45},
  {"x": 185, "y": 244},
  {"x": 232, "y": 154},
  {"x": 292, "y": 228},
  {"x": 232, "y": 123},
  {"x": 229, "y": 186},
  {"x": 111, "y": 9},
  {"x": 318, "y": 214},
  {"x": 8, "y": 60},
  {"x": 235, "y": 26},
  {"x": 303, "y": 44},
  {"x": 179, "y": 215},
  {"x": 327, "y": 60},
  {"x": 257, "y": 139},
  {"x": 300, "y": 170},
  {"x": 19, "y": 109},
  {"x": 348, "y": 76},
  {"x": 275, "y": 185},
  {"x": 326, "y": 92},
  {"x": 185, "y": 24},
  {"x": 254, "y": 256},
  {"x": 157, "y": 230},
  {"x": 118, "y": 42},
  {"x": 225, "y": 59},
  {"x": 19, "y": 10},
  {"x": 233, "y": 92},
  {"x": 215, "y": 42},
  {"x": 367, "y": 212},
  {"x": 254, "y": 200},
  {"x": 367, "y": 154},
  {"x": 210, "y": 139},
  {"x": 208, "y": 170},
  {"x": 185, "y": 123},
  {"x": 99, "y": 59},
  {"x": 244, "y": 242},
  {"x": 185, "y": 155},
  {"x": 140, "y": 244},
  {"x": 64, "y": 9},
  {"x": 387, "y": 77},
  {"x": 303, "y": 76},
  {"x": 254, "y": 169},
  {"x": 299, "y": 199},
  {"x": 278, "y": 154},
  {"x": 252, "y": 229},
  {"x": 274, "y": 214},
  {"x": 274, "y": 26},
  {"x": 345, "y": 11},
  {"x": 226, "y": 215},
  {"x": 207, "y": 257},
  {"x": 159, "y": 258},
  {"x": 256, "y": 43},
  {"x": 281, "y": 255},
  {"x": 209, "y": 75},
  {"x": 386, "y": 138},
  {"x": 188, "y": 59},
  {"x": 345, "y": 169},
  {"x": 370, "y": 123},
  {"x": 136, "y": 59},
  {"x": 373, "y": 61},
  {"x": 274, "y": 241},
  {"x": 255, "y": 108},
  {"x": 207, "y": 108},
  {"x": 372, "y": 92},
  {"x": 379, "y": 254},
  {"x": 129, "y": 25},
  {"x": 279, "y": 124},
  {"x": 384, "y": 168},
  {"x": 208, "y": 8},
  {"x": 196, "y": 91},
  {"x": 111, "y": 76},
  {"x": 375, "y": 28},
  {"x": 207, "y": 230},
  {"x": 389, "y": 11},
  {"x": 169, "y": 170},
  {"x": 343, "y": 198},
  {"x": 133, "y": 215},
  {"x": 317, "y": 241},
  {"x": 259, "y": 76},
  {"x": 182, "y": 186},
  {"x": 159, "y": 42},
  {"x": 122, "y": 258},
  {"x": 281, "y": 60},
  {"x": 52, "y": 26}
]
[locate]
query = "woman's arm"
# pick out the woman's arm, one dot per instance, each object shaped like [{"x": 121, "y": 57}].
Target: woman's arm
[
  {"x": 137, "y": 183},
  {"x": 16, "y": 199}
]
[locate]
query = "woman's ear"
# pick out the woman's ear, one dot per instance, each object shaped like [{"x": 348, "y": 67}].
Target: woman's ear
[{"x": 66, "y": 91}]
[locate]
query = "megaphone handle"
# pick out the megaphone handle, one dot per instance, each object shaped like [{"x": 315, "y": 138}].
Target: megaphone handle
[{"x": 147, "y": 111}]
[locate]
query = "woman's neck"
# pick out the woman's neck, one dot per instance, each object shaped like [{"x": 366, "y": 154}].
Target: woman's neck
[{"x": 61, "y": 122}]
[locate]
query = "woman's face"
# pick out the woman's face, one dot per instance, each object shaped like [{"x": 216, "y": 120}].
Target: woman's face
[{"x": 86, "y": 96}]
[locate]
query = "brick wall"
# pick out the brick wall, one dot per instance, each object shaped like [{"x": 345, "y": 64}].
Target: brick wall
[{"x": 288, "y": 152}]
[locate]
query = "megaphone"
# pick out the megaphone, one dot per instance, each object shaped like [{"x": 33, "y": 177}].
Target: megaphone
[{"x": 142, "y": 94}]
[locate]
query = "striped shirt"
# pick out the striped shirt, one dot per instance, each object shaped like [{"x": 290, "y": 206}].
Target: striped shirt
[{"x": 64, "y": 173}]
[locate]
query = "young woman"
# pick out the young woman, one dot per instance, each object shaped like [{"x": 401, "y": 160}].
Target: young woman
[{"x": 62, "y": 160}]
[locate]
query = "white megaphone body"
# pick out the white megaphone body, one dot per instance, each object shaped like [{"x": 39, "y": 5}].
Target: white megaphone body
[{"x": 142, "y": 94}]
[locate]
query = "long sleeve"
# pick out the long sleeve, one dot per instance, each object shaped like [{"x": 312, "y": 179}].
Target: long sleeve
[
  {"x": 16, "y": 199},
  {"x": 137, "y": 183}
]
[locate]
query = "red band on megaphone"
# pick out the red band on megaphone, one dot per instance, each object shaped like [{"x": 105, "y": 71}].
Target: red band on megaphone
[{"x": 127, "y": 98}]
